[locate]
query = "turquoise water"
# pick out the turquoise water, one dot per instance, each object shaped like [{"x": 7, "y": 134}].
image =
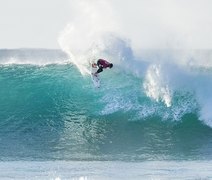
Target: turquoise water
[
  {"x": 55, "y": 121},
  {"x": 53, "y": 113}
]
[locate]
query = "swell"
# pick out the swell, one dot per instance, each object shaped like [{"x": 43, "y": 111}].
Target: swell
[
  {"x": 52, "y": 112},
  {"x": 32, "y": 88}
]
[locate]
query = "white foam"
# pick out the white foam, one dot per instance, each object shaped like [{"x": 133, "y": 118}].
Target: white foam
[
  {"x": 100, "y": 29},
  {"x": 156, "y": 86}
]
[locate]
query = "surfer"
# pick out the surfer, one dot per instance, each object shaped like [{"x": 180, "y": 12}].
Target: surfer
[
  {"x": 97, "y": 68},
  {"x": 103, "y": 64}
]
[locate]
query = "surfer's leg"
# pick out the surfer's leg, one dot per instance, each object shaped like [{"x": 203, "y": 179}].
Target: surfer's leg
[{"x": 100, "y": 70}]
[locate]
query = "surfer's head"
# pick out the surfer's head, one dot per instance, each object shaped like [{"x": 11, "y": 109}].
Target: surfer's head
[{"x": 111, "y": 65}]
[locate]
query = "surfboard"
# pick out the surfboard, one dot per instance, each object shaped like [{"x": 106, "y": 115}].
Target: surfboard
[{"x": 95, "y": 77}]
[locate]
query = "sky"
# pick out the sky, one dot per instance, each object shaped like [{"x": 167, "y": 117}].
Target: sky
[
  {"x": 32, "y": 23},
  {"x": 146, "y": 23}
]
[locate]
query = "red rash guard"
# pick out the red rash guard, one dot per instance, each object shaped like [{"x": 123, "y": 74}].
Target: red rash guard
[{"x": 103, "y": 63}]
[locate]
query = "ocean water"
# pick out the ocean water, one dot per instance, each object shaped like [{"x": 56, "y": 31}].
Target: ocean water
[{"x": 153, "y": 121}]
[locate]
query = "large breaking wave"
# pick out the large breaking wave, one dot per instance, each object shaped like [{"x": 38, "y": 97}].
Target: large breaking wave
[{"x": 53, "y": 112}]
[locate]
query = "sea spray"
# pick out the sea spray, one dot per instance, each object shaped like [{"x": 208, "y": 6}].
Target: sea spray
[
  {"x": 156, "y": 86},
  {"x": 162, "y": 73}
]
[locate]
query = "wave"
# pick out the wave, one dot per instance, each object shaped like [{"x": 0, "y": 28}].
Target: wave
[
  {"x": 149, "y": 106},
  {"x": 166, "y": 89},
  {"x": 53, "y": 112}
]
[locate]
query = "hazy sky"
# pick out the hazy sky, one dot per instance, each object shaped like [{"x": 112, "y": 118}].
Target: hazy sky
[
  {"x": 32, "y": 23},
  {"x": 147, "y": 23}
]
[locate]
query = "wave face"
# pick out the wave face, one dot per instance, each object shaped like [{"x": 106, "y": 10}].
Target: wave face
[{"x": 49, "y": 111}]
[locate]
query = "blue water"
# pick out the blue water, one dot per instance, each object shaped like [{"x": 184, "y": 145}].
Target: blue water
[{"x": 50, "y": 112}]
